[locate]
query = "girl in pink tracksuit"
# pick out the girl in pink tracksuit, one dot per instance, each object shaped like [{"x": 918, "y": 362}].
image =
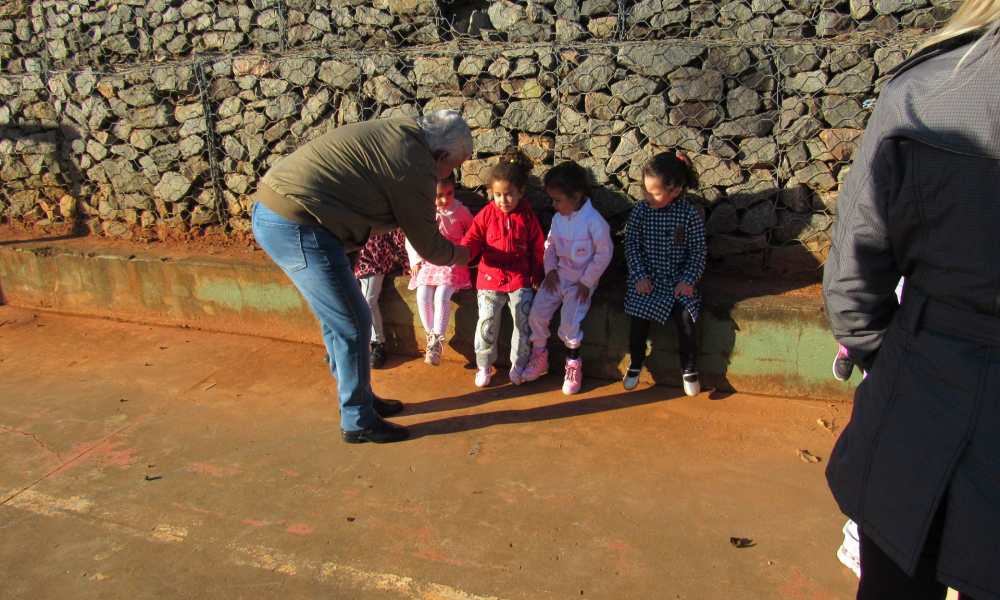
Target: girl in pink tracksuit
[
  {"x": 435, "y": 284},
  {"x": 577, "y": 251}
]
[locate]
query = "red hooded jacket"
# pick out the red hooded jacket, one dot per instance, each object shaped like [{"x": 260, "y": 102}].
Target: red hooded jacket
[{"x": 512, "y": 246}]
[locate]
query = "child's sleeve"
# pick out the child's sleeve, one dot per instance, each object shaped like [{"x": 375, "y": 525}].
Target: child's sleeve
[
  {"x": 635, "y": 255},
  {"x": 600, "y": 232},
  {"x": 536, "y": 246},
  {"x": 550, "y": 258},
  {"x": 473, "y": 238},
  {"x": 697, "y": 249},
  {"x": 402, "y": 253},
  {"x": 411, "y": 254}
]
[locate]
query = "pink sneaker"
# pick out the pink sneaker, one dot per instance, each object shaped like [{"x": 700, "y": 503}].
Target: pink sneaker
[
  {"x": 482, "y": 377},
  {"x": 515, "y": 375},
  {"x": 574, "y": 373},
  {"x": 537, "y": 364}
]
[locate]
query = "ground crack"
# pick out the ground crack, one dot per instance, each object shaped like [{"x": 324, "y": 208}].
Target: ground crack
[{"x": 34, "y": 437}]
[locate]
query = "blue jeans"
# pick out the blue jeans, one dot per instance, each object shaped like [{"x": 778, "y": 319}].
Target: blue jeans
[{"x": 315, "y": 261}]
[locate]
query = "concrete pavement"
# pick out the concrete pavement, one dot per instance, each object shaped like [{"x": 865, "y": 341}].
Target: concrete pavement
[{"x": 157, "y": 462}]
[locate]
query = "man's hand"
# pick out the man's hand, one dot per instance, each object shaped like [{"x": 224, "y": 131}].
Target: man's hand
[
  {"x": 683, "y": 289},
  {"x": 582, "y": 292},
  {"x": 462, "y": 256},
  {"x": 551, "y": 283},
  {"x": 644, "y": 286}
]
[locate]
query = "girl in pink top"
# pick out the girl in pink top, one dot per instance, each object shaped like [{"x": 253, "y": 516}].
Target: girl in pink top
[{"x": 435, "y": 284}]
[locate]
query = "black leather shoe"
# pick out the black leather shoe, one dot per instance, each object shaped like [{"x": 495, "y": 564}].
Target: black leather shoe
[
  {"x": 377, "y": 357},
  {"x": 326, "y": 358},
  {"x": 387, "y": 408},
  {"x": 379, "y": 432}
]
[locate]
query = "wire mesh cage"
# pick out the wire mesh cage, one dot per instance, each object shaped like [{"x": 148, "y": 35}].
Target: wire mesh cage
[{"x": 152, "y": 118}]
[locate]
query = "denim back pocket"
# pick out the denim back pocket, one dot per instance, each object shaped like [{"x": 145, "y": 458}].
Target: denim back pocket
[{"x": 282, "y": 242}]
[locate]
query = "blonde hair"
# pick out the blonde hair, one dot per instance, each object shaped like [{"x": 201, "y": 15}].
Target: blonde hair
[{"x": 973, "y": 15}]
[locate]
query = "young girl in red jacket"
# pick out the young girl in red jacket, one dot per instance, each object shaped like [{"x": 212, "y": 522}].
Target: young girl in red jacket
[{"x": 510, "y": 239}]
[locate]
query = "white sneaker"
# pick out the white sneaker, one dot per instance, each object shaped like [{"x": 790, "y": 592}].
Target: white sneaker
[
  {"x": 515, "y": 375},
  {"x": 631, "y": 380},
  {"x": 435, "y": 345},
  {"x": 692, "y": 387},
  {"x": 482, "y": 377},
  {"x": 850, "y": 561}
]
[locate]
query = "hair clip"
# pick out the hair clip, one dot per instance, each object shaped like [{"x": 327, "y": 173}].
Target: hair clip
[
  {"x": 512, "y": 161},
  {"x": 680, "y": 158}
]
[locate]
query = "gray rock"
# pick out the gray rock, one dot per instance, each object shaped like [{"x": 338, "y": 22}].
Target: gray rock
[
  {"x": 817, "y": 176},
  {"x": 539, "y": 14},
  {"x": 737, "y": 12},
  {"x": 299, "y": 71},
  {"x": 888, "y": 58},
  {"x": 628, "y": 146},
  {"x": 596, "y": 8},
  {"x": 167, "y": 79},
  {"x": 571, "y": 121},
  {"x": 594, "y": 73},
  {"x": 491, "y": 141},
  {"x": 797, "y": 58},
  {"x": 602, "y": 27},
  {"x": 412, "y": 8},
  {"x": 792, "y": 227},
  {"x": 238, "y": 183},
  {"x": 758, "y": 218},
  {"x": 372, "y": 16},
  {"x": 741, "y": 102},
  {"x": 633, "y": 88},
  {"x": 569, "y": 31},
  {"x": 841, "y": 143},
  {"x": 656, "y": 59},
  {"x": 172, "y": 187},
  {"x": 758, "y": 153},
  {"x": 720, "y": 246},
  {"x": 472, "y": 65},
  {"x": 696, "y": 114},
  {"x": 809, "y": 82},
  {"x": 141, "y": 139},
  {"x": 384, "y": 91},
  {"x": 599, "y": 127},
  {"x": 761, "y": 185},
  {"x": 500, "y": 67},
  {"x": 150, "y": 117},
  {"x": 803, "y": 128},
  {"x": 842, "y": 111},
  {"x": 724, "y": 219},
  {"x": 272, "y": 88},
  {"x": 860, "y": 9},
  {"x": 186, "y": 112},
  {"x": 672, "y": 137},
  {"x": 191, "y": 146},
  {"x": 728, "y": 60},
  {"x": 505, "y": 15},
  {"x": 885, "y": 7},
  {"x": 436, "y": 73},
  {"x": 688, "y": 84},
  {"x": 831, "y": 23},
  {"x": 713, "y": 170},
  {"x": 853, "y": 81},
  {"x": 747, "y": 127},
  {"x": 283, "y": 107},
  {"x": 339, "y": 75},
  {"x": 568, "y": 10},
  {"x": 796, "y": 196},
  {"x": 532, "y": 116},
  {"x": 602, "y": 106},
  {"x": 165, "y": 155}
]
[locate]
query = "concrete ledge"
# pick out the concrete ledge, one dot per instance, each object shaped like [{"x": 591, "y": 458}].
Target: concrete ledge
[{"x": 769, "y": 345}]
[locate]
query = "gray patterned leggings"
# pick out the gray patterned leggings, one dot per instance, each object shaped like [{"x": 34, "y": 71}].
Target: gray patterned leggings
[{"x": 490, "y": 309}]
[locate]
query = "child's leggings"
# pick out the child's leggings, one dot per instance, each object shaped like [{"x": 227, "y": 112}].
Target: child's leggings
[
  {"x": 490, "y": 309},
  {"x": 434, "y": 304},
  {"x": 371, "y": 287},
  {"x": 573, "y": 311},
  {"x": 686, "y": 337}
]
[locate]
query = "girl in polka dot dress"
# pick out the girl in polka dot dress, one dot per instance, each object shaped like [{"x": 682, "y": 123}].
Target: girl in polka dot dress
[{"x": 665, "y": 249}]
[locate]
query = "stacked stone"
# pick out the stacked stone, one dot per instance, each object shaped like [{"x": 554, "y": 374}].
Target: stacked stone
[{"x": 134, "y": 149}]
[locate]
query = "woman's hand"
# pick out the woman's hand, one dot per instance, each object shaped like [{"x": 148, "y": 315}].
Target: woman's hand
[
  {"x": 644, "y": 286},
  {"x": 551, "y": 283},
  {"x": 683, "y": 289},
  {"x": 582, "y": 292},
  {"x": 414, "y": 269}
]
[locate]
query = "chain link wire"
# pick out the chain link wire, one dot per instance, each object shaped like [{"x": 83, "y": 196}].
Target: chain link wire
[{"x": 152, "y": 118}]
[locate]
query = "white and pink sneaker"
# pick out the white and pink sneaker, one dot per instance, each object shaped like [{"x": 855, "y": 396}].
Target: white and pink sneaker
[
  {"x": 537, "y": 364},
  {"x": 482, "y": 377},
  {"x": 515, "y": 375},
  {"x": 574, "y": 373}
]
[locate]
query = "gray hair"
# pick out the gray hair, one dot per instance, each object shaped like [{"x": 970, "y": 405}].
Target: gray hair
[{"x": 447, "y": 131}]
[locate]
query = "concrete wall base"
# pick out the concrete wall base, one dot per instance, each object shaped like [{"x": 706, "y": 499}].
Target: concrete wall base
[{"x": 769, "y": 345}]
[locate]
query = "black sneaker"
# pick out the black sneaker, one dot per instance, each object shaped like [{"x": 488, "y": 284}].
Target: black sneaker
[
  {"x": 379, "y": 432},
  {"x": 843, "y": 366},
  {"x": 386, "y": 408},
  {"x": 326, "y": 358},
  {"x": 377, "y": 357}
]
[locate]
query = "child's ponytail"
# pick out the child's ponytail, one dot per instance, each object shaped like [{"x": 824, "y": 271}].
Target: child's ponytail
[
  {"x": 514, "y": 166},
  {"x": 673, "y": 170}
]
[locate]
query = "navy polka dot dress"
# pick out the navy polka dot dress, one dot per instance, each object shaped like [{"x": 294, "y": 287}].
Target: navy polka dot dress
[{"x": 666, "y": 246}]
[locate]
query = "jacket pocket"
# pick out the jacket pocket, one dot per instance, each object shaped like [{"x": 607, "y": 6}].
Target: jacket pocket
[{"x": 581, "y": 250}]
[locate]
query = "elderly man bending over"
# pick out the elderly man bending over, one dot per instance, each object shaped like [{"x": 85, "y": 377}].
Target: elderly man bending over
[{"x": 323, "y": 201}]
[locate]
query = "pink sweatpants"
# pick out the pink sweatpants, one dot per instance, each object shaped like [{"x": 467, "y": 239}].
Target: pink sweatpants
[{"x": 572, "y": 314}]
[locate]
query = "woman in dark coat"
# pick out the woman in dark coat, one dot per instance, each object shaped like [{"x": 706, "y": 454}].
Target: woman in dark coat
[{"x": 918, "y": 467}]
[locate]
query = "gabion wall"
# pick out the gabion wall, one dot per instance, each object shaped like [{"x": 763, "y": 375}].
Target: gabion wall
[{"x": 155, "y": 118}]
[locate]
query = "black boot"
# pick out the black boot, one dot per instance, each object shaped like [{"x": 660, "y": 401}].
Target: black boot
[
  {"x": 379, "y": 432},
  {"x": 377, "y": 357},
  {"x": 386, "y": 408}
]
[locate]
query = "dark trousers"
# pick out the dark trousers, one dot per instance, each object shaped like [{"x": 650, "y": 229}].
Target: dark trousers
[
  {"x": 686, "y": 336},
  {"x": 882, "y": 579}
]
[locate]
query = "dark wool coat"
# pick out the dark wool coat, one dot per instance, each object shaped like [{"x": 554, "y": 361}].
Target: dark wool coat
[{"x": 923, "y": 200}]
